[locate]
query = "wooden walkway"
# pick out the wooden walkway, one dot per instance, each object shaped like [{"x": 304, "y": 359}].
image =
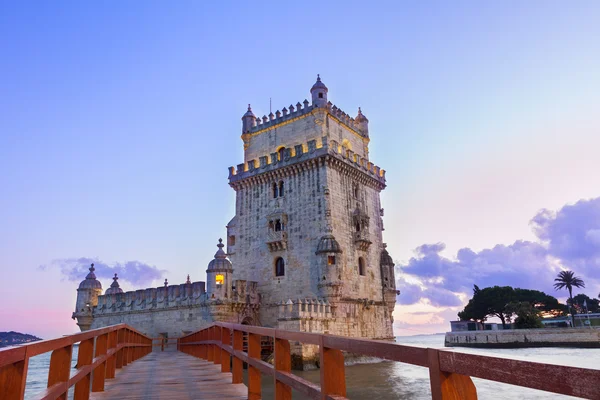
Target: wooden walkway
[{"x": 172, "y": 375}]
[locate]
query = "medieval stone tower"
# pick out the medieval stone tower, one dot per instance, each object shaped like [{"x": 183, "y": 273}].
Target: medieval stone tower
[{"x": 308, "y": 221}]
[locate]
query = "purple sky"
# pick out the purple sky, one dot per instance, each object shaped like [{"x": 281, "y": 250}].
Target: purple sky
[{"x": 119, "y": 122}]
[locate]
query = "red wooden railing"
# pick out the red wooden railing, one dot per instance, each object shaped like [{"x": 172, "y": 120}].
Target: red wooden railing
[
  {"x": 101, "y": 352},
  {"x": 450, "y": 372}
]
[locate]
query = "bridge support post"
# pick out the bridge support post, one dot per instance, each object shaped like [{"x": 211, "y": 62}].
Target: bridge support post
[
  {"x": 283, "y": 363},
  {"x": 111, "y": 363},
  {"x": 447, "y": 386},
  {"x": 225, "y": 360},
  {"x": 120, "y": 340},
  {"x": 216, "y": 336},
  {"x": 333, "y": 373},
  {"x": 84, "y": 357},
  {"x": 238, "y": 365},
  {"x": 254, "y": 389},
  {"x": 60, "y": 367},
  {"x": 100, "y": 371}
]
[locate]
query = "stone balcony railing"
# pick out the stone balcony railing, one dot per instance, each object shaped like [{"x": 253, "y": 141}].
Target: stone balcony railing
[
  {"x": 361, "y": 240},
  {"x": 277, "y": 240}
]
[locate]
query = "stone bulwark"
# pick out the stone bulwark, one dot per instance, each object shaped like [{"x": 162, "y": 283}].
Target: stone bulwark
[{"x": 519, "y": 338}]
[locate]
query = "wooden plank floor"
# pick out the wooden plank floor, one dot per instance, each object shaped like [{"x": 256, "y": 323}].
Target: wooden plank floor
[{"x": 171, "y": 375}]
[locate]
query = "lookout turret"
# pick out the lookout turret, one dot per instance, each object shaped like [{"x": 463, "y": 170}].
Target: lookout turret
[
  {"x": 248, "y": 120},
  {"x": 219, "y": 275},
  {"x": 319, "y": 93},
  {"x": 87, "y": 298}
]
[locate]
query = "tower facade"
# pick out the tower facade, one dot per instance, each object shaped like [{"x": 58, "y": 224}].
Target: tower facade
[
  {"x": 87, "y": 298},
  {"x": 308, "y": 223}
]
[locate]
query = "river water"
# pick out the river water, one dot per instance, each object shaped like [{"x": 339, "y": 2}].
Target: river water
[{"x": 386, "y": 380}]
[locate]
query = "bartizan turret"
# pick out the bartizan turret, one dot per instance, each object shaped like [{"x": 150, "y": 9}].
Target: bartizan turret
[
  {"x": 219, "y": 276},
  {"x": 248, "y": 120},
  {"x": 363, "y": 123},
  {"x": 388, "y": 279},
  {"x": 87, "y": 298},
  {"x": 319, "y": 94}
]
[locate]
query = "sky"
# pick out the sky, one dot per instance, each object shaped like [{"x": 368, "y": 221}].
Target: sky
[{"x": 118, "y": 122}]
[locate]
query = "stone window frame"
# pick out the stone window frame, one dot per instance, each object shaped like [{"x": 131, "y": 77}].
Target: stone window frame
[
  {"x": 275, "y": 267},
  {"x": 362, "y": 268}
]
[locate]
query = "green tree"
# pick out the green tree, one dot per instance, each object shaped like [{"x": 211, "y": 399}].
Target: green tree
[
  {"x": 527, "y": 316},
  {"x": 487, "y": 302},
  {"x": 592, "y": 304},
  {"x": 568, "y": 280}
]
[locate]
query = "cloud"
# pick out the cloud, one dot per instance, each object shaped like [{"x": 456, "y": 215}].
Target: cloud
[
  {"x": 568, "y": 238},
  {"x": 135, "y": 272},
  {"x": 572, "y": 235}
]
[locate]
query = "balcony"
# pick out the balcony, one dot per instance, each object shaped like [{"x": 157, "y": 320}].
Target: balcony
[
  {"x": 277, "y": 240},
  {"x": 361, "y": 240}
]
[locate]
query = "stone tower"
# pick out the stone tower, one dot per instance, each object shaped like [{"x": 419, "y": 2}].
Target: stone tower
[
  {"x": 87, "y": 298},
  {"x": 308, "y": 221},
  {"x": 219, "y": 276}
]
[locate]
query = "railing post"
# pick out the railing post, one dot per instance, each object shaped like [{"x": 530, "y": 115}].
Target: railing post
[
  {"x": 210, "y": 347},
  {"x": 254, "y": 389},
  {"x": 129, "y": 349},
  {"x": 333, "y": 373},
  {"x": 120, "y": 340},
  {"x": 283, "y": 363},
  {"x": 203, "y": 347},
  {"x": 111, "y": 363},
  {"x": 238, "y": 364},
  {"x": 13, "y": 378},
  {"x": 217, "y": 337},
  {"x": 447, "y": 386},
  {"x": 100, "y": 371},
  {"x": 84, "y": 357},
  {"x": 60, "y": 368},
  {"x": 225, "y": 340}
]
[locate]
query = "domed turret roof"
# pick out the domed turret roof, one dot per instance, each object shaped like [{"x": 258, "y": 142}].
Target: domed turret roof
[
  {"x": 361, "y": 117},
  {"x": 249, "y": 113},
  {"x": 114, "y": 287},
  {"x": 328, "y": 244},
  {"x": 386, "y": 259},
  {"x": 319, "y": 85},
  {"x": 221, "y": 262},
  {"x": 90, "y": 281}
]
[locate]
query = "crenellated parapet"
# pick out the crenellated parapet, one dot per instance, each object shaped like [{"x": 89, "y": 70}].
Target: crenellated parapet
[
  {"x": 186, "y": 294},
  {"x": 303, "y": 156},
  {"x": 310, "y": 308},
  {"x": 287, "y": 115}
]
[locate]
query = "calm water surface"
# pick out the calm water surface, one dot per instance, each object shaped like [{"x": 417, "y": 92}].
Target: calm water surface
[{"x": 390, "y": 380}]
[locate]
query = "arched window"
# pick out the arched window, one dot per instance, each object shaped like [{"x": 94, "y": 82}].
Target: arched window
[
  {"x": 281, "y": 189},
  {"x": 278, "y": 226},
  {"x": 281, "y": 153},
  {"x": 361, "y": 266},
  {"x": 279, "y": 267},
  {"x": 320, "y": 95},
  {"x": 355, "y": 190},
  {"x": 219, "y": 279},
  {"x": 275, "y": 190},
  {"x": 357, "y": 226}
]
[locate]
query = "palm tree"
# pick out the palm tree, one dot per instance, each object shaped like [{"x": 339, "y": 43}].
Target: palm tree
[{"x": 567, "y": 279}]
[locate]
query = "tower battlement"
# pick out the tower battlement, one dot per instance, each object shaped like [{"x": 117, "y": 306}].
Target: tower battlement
[
  {"x": 300, "y": 153},
  {"x": 292, "y": 113}
]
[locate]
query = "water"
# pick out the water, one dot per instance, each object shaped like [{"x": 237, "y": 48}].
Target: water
[{"x": 391, "y": 380}]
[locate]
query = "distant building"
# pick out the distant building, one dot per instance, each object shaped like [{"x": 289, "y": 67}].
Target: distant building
[{"x": 305, "y": 250}]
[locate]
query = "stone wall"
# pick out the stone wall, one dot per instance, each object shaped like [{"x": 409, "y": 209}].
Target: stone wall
[{"x": 552, "y": 337}]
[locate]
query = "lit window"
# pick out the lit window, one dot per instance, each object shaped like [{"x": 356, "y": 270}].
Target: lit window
[
  {"x": 330, "y": 260},
  {"x": 219, "y": 279},
  {"x": 279, "y": 267}
]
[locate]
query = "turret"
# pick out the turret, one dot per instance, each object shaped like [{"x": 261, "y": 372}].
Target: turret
[
  {"x": 363, "y": 123},
  {"x": 329, "y": 253},
  {"x": 114, "y": 287},
  {"x": 319, "y": 93},
  {"x": 87, "y": 298},
  {"x": 248, "y": 121},
  {"x": 219, "y": 276},
  {"x": 388, "y": 279}
]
